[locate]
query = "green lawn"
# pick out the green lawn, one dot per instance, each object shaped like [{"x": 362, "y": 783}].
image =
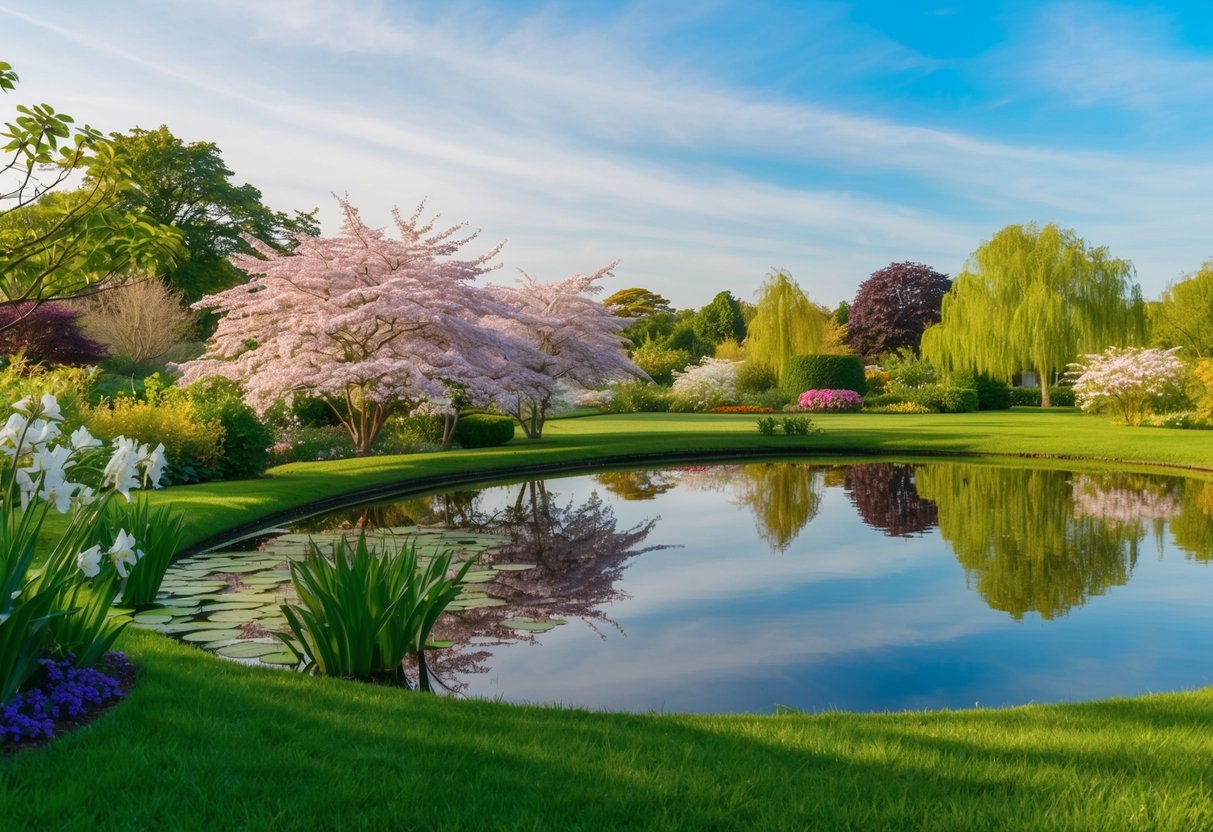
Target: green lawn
[{"x": 206, "y": 744}]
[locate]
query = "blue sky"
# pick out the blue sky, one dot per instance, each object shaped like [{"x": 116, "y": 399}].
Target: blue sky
[{"x": 699, "y": 144}]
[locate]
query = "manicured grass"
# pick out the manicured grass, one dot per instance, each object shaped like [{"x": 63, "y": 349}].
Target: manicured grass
[{"x": 206, "y": 744}]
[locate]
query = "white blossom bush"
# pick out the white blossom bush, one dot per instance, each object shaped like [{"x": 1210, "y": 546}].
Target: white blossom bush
[
  {"x": 1130, "y": 382},
  {"x": 596, "y": 398},
  {"x": 710, "y": 383},
  {"x": 1124, "y": 499},
  {"x": 63, "y": 605}
]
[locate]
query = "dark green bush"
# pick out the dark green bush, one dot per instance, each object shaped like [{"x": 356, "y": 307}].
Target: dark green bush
[
  {"x": 313, "y": 412},
  {"x": 885, "y": 399},
  {"x": 246, "y": 439},
  {"x": 640, "y": 397},
  {"x": 991, "y": 393},
  {"x": 824, "y": 372},
  {"x": 483, "y": 430},
  {"x": 773, "y": 398},
  {"x": 945, "y": 399},
  {"x": 1030, "y": 396}
]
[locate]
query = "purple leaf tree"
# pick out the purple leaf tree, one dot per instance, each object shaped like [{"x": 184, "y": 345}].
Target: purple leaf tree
[{"x": 893, "y": 307}]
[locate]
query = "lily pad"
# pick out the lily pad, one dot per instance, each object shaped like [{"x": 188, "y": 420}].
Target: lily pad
[
  {"x": 513, "y": 567},
  {"x": 285, "y": 657},
  {"x": 479, "y": 576},
  {"x": 249, "y": 649},
  {"x": 211, "y": 635},
  {"x": 233, "y": 616},
  {"x": 145, "y": 619},
  {"x": 530, "y": 625}
]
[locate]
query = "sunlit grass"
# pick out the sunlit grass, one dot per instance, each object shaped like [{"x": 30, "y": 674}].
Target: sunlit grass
[{"x": 207, "y": 744}]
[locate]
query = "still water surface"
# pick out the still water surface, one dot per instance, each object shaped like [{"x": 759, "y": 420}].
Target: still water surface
[{"x": 742, "y": 588}]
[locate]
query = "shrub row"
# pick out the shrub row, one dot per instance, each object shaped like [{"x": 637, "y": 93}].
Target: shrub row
[
  {"x": 934, "y": 397},
  {"x": 1030, "y": 396}
]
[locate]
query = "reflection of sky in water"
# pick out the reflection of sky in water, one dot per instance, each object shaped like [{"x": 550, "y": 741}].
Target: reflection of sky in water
[{"x": 845, "y": 617}]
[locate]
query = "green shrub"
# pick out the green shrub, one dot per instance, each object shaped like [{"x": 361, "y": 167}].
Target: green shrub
[
  {"x": 824, "y": 372},
  {"x": 313, "y": 412},
  {"x": 1030, "y": 396},
  {"x": 943, "y": 399},
  {"x": 907, "y": 369},
  {"x": 773, "y": 398},
  {"x": 885, "y": 400},
  {"x": 246, "y": 439},
  {"x": 900, "y": 407},
  {"x": 753, "y": 377},
  {"x": 640, "y": 397},
  {"x": 766, "y": 425},
  {"x": 71, "y": 386},
  {"x": 483, "y": 430},
  {"x": 991, "y": 393},
  {"x": 192, "y": 445},
  {"x": 660, "y": 361}
]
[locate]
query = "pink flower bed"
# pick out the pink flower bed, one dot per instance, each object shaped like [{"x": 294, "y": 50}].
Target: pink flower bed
[{"x": 835, "y": 400}]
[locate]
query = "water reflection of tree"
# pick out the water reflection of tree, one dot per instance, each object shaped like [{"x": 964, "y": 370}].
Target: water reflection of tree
[
  {"x": 1192, "y": 528},
  {"x": 1016, "y": 534},
  {"x": 886, "y": 496},
  {"x": 784, "y": 497},
  {"x": 638, "y": 485},
  {"x": 579, "y": 554},
  {"x": 455, "y": 509}
]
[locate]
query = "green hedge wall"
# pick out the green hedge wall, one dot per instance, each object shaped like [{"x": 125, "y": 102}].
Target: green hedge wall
[
  {"x": 483, "y": 430},
  {"x": 824, "y": 372}
]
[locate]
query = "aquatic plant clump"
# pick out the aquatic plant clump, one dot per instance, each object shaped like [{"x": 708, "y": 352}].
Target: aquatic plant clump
[
  {"x": 843, "y": 401},
  {"x": 68, "y": 693}
]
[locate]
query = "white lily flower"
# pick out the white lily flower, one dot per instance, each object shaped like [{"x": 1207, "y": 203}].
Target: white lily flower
[
  {"x": 84, "y": 496},
  {"x": 23, "y": 405},
  {"x": 120, "y": 472},
  {"x": 89, "y": 561},
  {"x": 153, "y": 466},
  {"x": 12, "y": 430},
  {"x": 57, "y": 491},
  {"x": 50, "y": 407},
  {"x": 28, "y": 486},
  {"x": 123, "y": 553},
  {"x": 82, "y": 439},
  {"x": 40, "y": 432}
]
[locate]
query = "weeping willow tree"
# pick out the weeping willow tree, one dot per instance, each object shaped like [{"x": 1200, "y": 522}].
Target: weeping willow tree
[
  {"x": 1034, "y": 299},
  {"x": 1020, "y": 540},
  {"x": 785, "y": 323}
]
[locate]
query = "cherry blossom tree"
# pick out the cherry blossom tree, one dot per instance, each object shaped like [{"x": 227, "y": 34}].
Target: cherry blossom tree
[
  {"x": 1129, "y": 381},
  {"x": 577, "y": 339},
  {"x": 371, "y": 323}
]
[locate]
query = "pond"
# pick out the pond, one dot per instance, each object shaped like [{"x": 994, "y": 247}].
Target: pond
[{"x": 751, "y": 587}]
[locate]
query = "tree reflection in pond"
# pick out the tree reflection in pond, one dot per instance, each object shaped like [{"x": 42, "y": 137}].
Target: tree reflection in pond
[
  {"x": 1192, "y": 528},
  {"x": 784, "y": 497},
  {"x": 886, "y": 496},
  {"x": 1020, "y": 540}
]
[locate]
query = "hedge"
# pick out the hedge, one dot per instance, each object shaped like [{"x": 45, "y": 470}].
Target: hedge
[
  {"x": 824, "y": 372},
  {"x": 1030, "y": 396},
  {"x": 483, "y": 430}
]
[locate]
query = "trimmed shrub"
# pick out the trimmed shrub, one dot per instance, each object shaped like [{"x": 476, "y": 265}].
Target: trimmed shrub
[
  {"x": 945, "y": 399},
  {"x": 483, "y": 430},
  {"x": 991, "y": 393},
  {"x": 824, "y": 372},
  {"x": 1030, "y": 396}
]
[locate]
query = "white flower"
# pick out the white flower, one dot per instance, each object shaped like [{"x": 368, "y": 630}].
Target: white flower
[
  {"x": 89, "y": 561},
  {"x": 120, "y": 472},
  {"x": 123, "y": 553},
  {"x": 12, "y": 430},
  {"x": 153, "y": 465},
  {"x": 84, "y": 496},
  {"x": 50, "y": 408},
  {"x": 40, "y": 432},
  {"x": 82, "y": 439},
  {"x": 23, "y": 405},
  {"x": 57, "y": 491}
]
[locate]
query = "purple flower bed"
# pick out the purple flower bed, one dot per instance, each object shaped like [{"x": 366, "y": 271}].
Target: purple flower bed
[
  {"x": 67, "y": 693},
  {"x": 835, "y": 400}
]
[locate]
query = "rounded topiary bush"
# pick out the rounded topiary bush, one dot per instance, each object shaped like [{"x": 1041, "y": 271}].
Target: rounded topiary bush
[
  {"x": 483, "y": 430},
  {"x": 824, "y": 372}
]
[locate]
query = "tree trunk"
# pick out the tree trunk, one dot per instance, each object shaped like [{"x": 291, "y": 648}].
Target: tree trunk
[
  {"x": 1044, "y": 390},
  {"x": 448, "y": 429}
]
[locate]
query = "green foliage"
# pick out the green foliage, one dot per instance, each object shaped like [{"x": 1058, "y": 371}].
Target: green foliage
[
  {"x": 362, "y": 612},
  {"x": 824, "y": 372},
  {"x": 753, "y": 377},
  {"x": 789, "y": 425},
  {"x": 991, "y": 393},
  {"x": 1183, "y": 316},
  {"x": 483, "y": 430},
  {"x": 766, "y": 425},
  {"x": 720, "y": 320},
  {"x": 907, "y": 369},
  {"x": 1059, "y": 395},
  {"x": 942, "y": 399},
  {"x": 246, "y": 439},
  {"x": 189, "y": 187},
  {"x": 898, "y": 407},
  {"x": 90, "y": 627},
  {"x": 785, "y": 323},
  {"x": 193, "y": 445},
  {"x": 71, "y": 386},
  {"x": 637, "y": 303},
  {"x": 640, "y": 397},
  {"x": 158, "y": 532},
  {"x": 684, "y": 338},
  {"x": 1035, "y": 298},
  {"x": 314, "y": 411},
  {"x": 660, "y": 361}
]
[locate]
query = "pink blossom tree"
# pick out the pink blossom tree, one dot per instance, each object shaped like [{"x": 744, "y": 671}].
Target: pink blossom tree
[
  {"x": 373, "y": 324},
  {"x": 1129, "y": 381},
  {"x": 577, "y": 339}
]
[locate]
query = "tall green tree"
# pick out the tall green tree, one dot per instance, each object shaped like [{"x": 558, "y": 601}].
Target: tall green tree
[
  {"x": 59, "y": 243},
  {"x": 1035, "y": 298},
  {"x": 720, "y": 320},
  {"x": 1183, "y": 317},
  {"x": 189, "y": 187},
  {"x": 785, "y": 323},
  {"x": 637, "y": 303}
]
